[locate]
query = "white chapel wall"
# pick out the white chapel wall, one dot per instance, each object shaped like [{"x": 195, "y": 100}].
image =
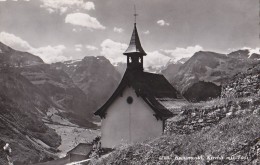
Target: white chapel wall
[{"x": 122, "y": 117}]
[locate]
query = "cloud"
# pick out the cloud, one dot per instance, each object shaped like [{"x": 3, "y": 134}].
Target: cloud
[
  {"x": 14, "y": 41},
  {"x": 77, "y": 29},
  {"x": 155, "y": 59},
  {"x": 49, "y": 54},
  {"x": 63, "y": 6},
  {"x": 91, "y": 47},
  {"x": 113, "y": 50},
  {"x": 118, "y": 30},
  {"x": 78, "y": 47},
  {"x": 180, "y": 53},
  {"x": 83, "y": 20},
  {"x": 163, "y": 23},
  {"x": 252, "y": 50},
  {"x": 146, "y": 32}
]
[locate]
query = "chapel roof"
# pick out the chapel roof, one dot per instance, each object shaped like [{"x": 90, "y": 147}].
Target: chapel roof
[
  {"x": 152, "y": 88},
  {"x": 81, "y": 149},
  {"x": 135, "y": 46}
]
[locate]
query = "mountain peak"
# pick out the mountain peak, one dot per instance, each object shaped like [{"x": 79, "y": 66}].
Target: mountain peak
[
  {"x": 207, "y": 54},
  {"x": 12, "y": 57},
  {"x": 4, "y": 48},
  {"x": 255, "y": 56},
  {"x": 241, "y": 54}
]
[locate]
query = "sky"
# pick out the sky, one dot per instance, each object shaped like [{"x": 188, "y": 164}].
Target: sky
[{"x": 59, "y": 30}]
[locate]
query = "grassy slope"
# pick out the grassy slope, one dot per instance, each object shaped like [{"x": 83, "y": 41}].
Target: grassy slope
[
  {"x": 20, "y": 131},
  {"x": 217, "y": 128}
]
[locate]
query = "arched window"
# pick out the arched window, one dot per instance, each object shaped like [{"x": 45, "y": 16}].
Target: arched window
[{"x": 130, "y": 60}]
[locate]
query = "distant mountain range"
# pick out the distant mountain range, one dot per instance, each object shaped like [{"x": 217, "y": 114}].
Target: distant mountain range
[
  {"x": 33, "y": 94},
  {"x": 202, "y": 69},
  {"x": 209, "y": 67},
  {"x": 121, "y": 67},
  {"x": 22, "y": 108},
  {"x": 95, "y": 76},
  {"x": 9, "y": 56}
]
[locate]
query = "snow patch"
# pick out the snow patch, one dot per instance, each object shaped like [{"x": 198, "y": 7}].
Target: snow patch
[
  {"x": 251, "y": 50},
  {"x": 72, "y": 61}
]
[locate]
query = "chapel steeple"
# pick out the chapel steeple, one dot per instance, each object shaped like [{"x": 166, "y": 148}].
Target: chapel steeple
[
  {"x": 135, "y": 52},
  {"x": 138, "y": 93}
]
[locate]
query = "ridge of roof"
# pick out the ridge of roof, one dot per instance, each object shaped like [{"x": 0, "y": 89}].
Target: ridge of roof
[{"x": 149, "y": 86}]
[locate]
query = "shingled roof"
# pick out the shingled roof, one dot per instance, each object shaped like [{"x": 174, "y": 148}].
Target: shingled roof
[
  {"x": 150, "y": 87},
  {"x": 81, "y": 149},
  {"x": 135, "y": 47}
]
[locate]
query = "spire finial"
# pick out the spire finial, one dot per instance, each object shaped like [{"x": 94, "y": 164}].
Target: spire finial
[{"x": 135, "y": 14}]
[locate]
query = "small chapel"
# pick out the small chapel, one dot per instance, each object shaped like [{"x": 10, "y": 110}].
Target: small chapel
[{"x": 136, "y": 110}]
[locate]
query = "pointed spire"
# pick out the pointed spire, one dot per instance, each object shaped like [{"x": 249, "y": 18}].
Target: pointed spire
[{"x": 135, "y": 46}]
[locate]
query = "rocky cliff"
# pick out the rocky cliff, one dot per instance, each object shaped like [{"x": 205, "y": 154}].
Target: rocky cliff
[
  {"x": 15, "y": 58},
  {"x": 209, "y": 67},
  {"x": 95, "y": 76},
  {"x": 243, "y": 84},
  {"x": 22, "y": 106}
]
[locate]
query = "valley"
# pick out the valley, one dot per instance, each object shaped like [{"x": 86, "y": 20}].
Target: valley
[{"x": 47, "y": 109}]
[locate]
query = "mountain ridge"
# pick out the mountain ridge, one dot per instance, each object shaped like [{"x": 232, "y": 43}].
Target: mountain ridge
[
  {"x": 89, "y": 74},
  {"x": 15, "y": 58},
  {"x": 210, "y": 67}
]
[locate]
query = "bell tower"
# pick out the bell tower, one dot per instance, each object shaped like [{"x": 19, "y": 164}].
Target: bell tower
[{"x": 135, "y": 52}]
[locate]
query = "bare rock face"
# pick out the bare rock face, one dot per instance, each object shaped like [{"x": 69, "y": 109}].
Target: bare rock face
[
  {"x": 255, "y": 56},
  {"x": 172, "y": 70},
  {"x": 22, "y": 107},
  {"x": 243, "y": 84},
  {"x": 120, "y": 67},
  {"x": 96, "y": 76},
  {"x": 28, "y": 90},
  {"x": 209, "y": 67},
  {"x": 15, "y": 58},
  {"x": 59, "y": 87},
  {"x": 240, "y": 54}
]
